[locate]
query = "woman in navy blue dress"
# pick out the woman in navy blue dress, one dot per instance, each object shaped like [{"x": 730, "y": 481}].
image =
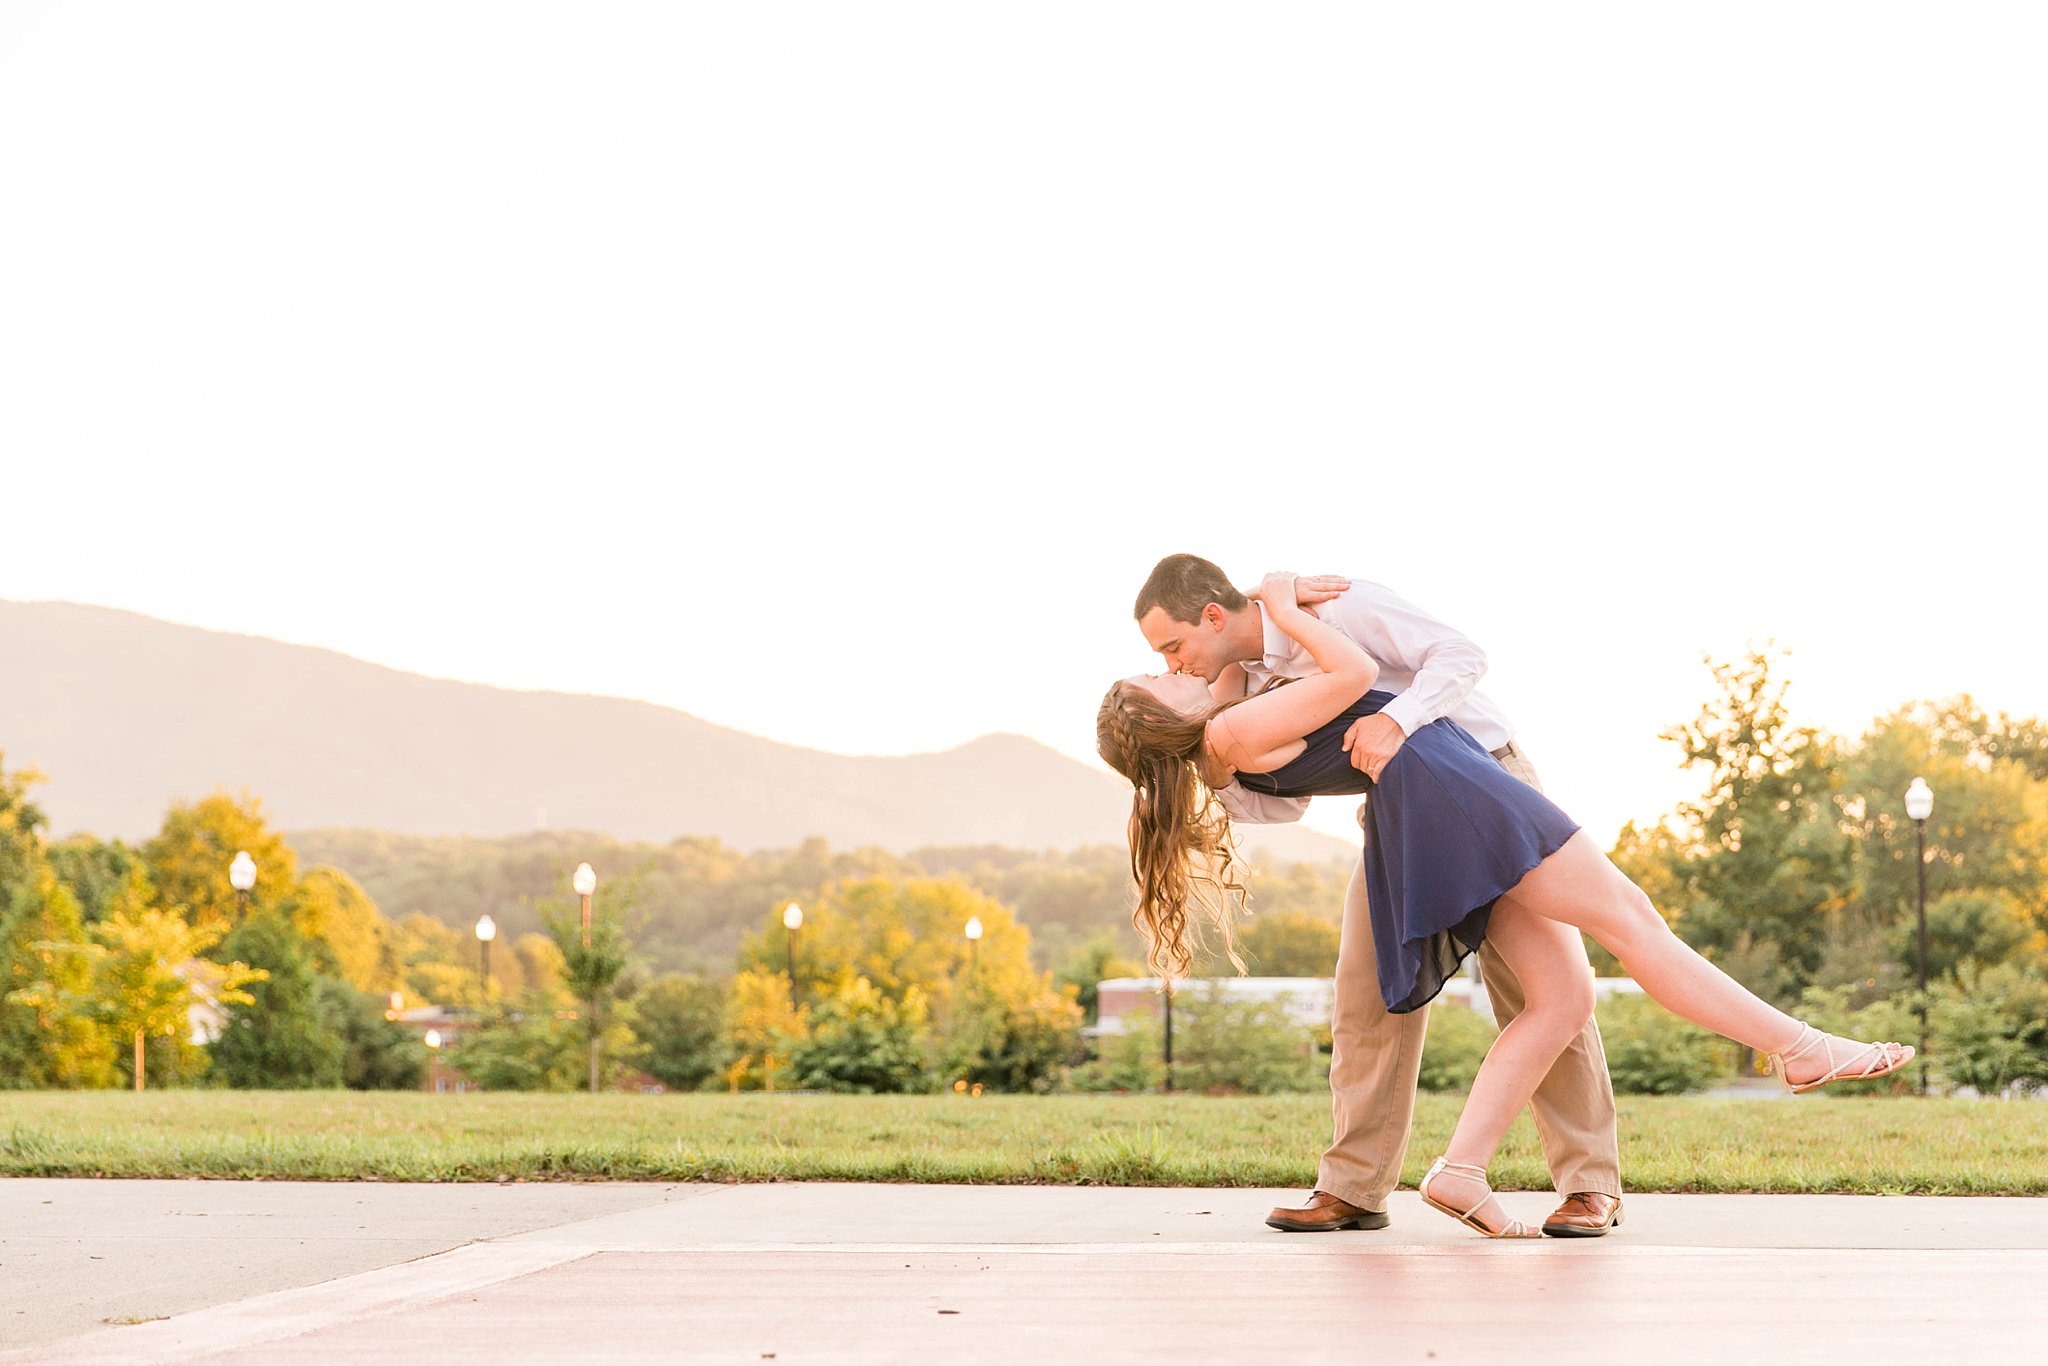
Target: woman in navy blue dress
[{"x": 1457, "y": 851}]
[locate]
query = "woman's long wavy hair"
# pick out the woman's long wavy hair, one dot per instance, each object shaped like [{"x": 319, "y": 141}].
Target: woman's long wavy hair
[{"x": 1182, "y": 851}]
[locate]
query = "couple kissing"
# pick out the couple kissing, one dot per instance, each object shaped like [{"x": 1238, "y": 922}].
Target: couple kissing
[{"x": 1463, "y": 854}]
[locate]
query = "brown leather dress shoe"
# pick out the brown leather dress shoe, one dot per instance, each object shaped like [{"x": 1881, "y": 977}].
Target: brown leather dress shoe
[
  {"x": 1324, "y": 1213},
  {"x": 1584, "y": 1214}
]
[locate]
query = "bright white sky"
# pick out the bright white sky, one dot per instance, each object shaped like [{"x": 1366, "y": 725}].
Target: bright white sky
[{"x": 835, "y": 371}]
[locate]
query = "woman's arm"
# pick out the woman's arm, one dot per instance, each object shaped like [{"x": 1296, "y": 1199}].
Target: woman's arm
[{"x": 1254, "y": 728}]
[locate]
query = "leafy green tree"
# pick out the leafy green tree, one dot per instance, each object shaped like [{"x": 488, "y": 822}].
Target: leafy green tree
[
  {"x": 190, "y": 857},
  {"x": 147, "y": 972},
  {"x": 437, "y": 962},
  {"x": 863, "y": 1042},
  {"x": 280, "y": 1038},
  {"x": 1290, "y": 944},
  {"x": 589, "y": 972},
  {"x": 681, "y": 1021},
  {"x": 45, "y": 1038},
  {"x": 1097, "y": 960},
  {"x": 1855, "y": 957},
  {"x": 1989, "y": 831},
  {"x": 329, "y": 906},
  {"x": 1968, "y": 931},
  {"x": 21, "y": 828},
  {"x": 762, "y": 1027},
  {"x": 94, "y": 870},
  {"x": 898, "y": 935},
  {"x": 538, "y": 965},
  {"x": 1762, "y": 852},
  {"x": 1003, "y": 1022},
  {"x": 49, "y": 1035},
  {"x": 378, "y": 1054}
]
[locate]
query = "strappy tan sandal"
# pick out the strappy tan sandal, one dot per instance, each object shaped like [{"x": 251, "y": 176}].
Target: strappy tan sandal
[
  {"x": 1514, "y": 1228},
  {"x": 1882, "y": 1060}
]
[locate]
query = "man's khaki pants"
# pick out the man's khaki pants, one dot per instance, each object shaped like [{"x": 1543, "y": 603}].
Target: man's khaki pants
[{"x": 1375, "y": 1058}]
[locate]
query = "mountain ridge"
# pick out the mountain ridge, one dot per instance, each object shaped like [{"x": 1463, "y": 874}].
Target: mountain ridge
[{"x": 124, "y": 713}]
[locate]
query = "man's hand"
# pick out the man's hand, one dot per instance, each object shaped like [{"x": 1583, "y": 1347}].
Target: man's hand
[{"x": 1371, "y": 741}]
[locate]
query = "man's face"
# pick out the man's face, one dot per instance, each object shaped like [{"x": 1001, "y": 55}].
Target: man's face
[{"x": 1188, "y": 647}]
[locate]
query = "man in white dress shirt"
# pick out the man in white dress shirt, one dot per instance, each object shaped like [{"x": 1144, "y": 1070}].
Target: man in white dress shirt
[{"x": 1200, "y": 624}]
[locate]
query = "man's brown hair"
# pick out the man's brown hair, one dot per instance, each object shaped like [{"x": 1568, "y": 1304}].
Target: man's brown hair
[{"x": 1183, "y": 585}]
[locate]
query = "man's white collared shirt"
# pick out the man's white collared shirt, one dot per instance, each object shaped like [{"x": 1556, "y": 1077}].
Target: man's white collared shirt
[{"x": 1432, "y": 670}]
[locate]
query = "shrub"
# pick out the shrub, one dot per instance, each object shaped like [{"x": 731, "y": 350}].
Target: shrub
[
  {"x": 682, "y": 1022},
  {"x": 863, "y": 1043},
  {"x": 378, "y": 1054},
  {"x": 1130, "y": 1061},
  {"x": 1455, "y": 1046},
  {"x": 1991, "y": 1032},
  {"x": 1651, "y": 1052},
  {"x": 1012, "y": 1045},
  {"x": 1250, "y": 1047},
  {"x": 282, "y": 1038},
  {"x": 1828, "y": 1009},
  {"x": 535, "y": 1048}
]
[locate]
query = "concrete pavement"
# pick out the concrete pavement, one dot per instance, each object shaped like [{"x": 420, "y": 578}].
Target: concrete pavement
[{"x": 266, "y": 1272}]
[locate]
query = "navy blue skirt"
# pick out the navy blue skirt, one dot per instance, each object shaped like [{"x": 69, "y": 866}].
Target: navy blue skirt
[{"x": 1447, "y": 830}]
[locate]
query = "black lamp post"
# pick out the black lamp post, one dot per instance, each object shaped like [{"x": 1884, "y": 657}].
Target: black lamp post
[
  {"x": 973, "y": 932},
  {"x": 1169, "y": 1035},
  {"x": 1919, "y": 806},
  {"x": 242, "y": 877},
  {"x": 585, "y": 882},
  {"x": 486, "y": 931},
  {"x": 792, "y": 920}
]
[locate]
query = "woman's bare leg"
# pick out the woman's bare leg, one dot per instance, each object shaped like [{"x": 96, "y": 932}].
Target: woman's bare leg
[
  {"x": 1536, "y": 929},
  {"x": 1579, "y": 887},
  {"x": 1550, "y": 960}
]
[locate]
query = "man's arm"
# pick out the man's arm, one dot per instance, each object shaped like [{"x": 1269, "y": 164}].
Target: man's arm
[{"x": 1446, "y": 664}]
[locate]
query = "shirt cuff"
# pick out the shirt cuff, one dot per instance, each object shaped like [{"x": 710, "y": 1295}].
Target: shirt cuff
[{"x": 1408, "y": 713}]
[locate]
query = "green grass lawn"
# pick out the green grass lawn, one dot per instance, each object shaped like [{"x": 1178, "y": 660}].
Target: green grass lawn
[{"x": 1668, "y": 1144}]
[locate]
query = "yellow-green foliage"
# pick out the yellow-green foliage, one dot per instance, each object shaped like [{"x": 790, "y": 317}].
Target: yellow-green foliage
[{"x": 189, "y": 859}]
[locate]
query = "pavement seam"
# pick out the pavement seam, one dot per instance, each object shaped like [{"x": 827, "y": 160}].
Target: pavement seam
[
  {"x": 286, "y": 1314},
  {"x": 1301, "y": 1248}
]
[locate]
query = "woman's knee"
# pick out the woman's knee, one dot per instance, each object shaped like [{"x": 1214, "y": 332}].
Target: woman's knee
[
  {"x": 1561, "y": 1003},
  {"x": 1577, "y": 1000}
]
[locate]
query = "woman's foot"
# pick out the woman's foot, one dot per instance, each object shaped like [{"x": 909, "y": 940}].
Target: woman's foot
[
  {"x": 1461, "y": 1191},
  {"x": 1814, "y": 1059}
]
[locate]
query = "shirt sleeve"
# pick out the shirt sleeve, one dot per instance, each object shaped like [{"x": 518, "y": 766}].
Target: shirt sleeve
[
  {"x": 1259, "y": 808},
  {"x": 1446, "y": 665}
]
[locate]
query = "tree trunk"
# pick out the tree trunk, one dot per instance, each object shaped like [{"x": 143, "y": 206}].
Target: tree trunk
[{"x": 138, "y": 1060}]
